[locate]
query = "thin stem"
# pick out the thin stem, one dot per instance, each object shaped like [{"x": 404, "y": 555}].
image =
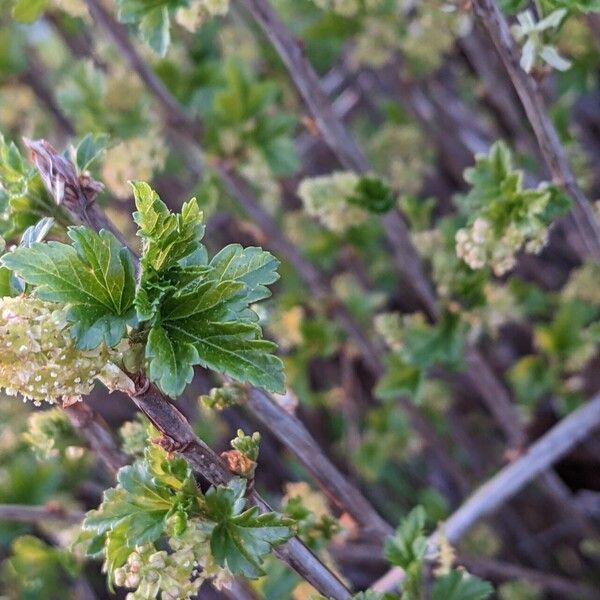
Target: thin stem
[
  {"x": 290, "y": 431},
  {"x": 94, "y": 428},
  {"x": 32, "y": 514}
]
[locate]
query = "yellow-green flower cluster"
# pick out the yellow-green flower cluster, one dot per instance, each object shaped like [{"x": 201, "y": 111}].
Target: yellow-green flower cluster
[
  {"x": 584, "y": 284},
  {"x": 175, "y": 575},
  {"x": 134, "y": 159},
  {"x": 431, "y": 32},
  {"x": 401, "y": 153},
  {"x": 422, "y": 32},
  {"x": 38, "y": 357},
  {"x": 326, "y": 199},
  {"x": 50, "y": 434},
  {"x": 152, "y": 572},
  {"x": 479, "y": 244},
  {"x": 198, "y": 12}
]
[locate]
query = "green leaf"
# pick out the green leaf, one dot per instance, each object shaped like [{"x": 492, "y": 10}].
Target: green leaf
[
  {"x": 197, "y": 328},
  {"x": 458, "y": 585},
  {"x": 167, "y": 237},
  {"x": 240, "y": 540},
  {"x": 373, "y": 195},
  {"x": 27, "y": 11},
  {"x": 199, "y": 313},
  {"x": 147, "y": 493},
  {"x": 399, "y": 379},
  {"x": 408, "y": 544},
  {"x": 252, "y": 266},
  {"x": 530, "y": 379},
  {"x": 152, "y": 18},
  {"x": 94, "y": 276},
  {"x": 155, "y": 29},
  {"x": 439, "y": 344},
  {"x": 23, "y": 197},
  {"x": 89, "y": 149}
]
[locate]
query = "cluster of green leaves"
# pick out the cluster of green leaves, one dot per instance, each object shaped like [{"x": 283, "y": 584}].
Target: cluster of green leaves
[
  {"x": 84, "y": 98},
  {"x": 240, "y": 119},
  {"x": 373, "y": 194},
  {"x": 35, "y": 569},
  {"x": 565, "y": 341},
  {"x": 157, "y": 497},
  {"x": 409, "y": 549},
  {"x": 502, "y": 216},
  {"x": 51, "y": 434},
  {"x": 416, "y": 347},
  {"x": 189, "y": 309},
  {"x": 153, "y": 18},
  {"x": 196, "y": 311}
]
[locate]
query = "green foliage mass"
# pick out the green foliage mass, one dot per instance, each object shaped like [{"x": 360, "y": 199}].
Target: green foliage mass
[{"x": 197, "y": 311}]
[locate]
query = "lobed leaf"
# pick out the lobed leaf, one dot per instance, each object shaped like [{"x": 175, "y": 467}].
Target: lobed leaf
[{"x": 94, "y": 276}]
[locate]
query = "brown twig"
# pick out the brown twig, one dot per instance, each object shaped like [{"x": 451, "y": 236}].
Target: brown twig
[
  {"x": 93, "y": 427},
  {"x": 32, "y": 514}
]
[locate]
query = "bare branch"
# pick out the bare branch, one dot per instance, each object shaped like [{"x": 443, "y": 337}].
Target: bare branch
[
  {"x": 32, "y": 514},
  {"x": 291, "y": 432},
  {"x": 93, "y": 427}
]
